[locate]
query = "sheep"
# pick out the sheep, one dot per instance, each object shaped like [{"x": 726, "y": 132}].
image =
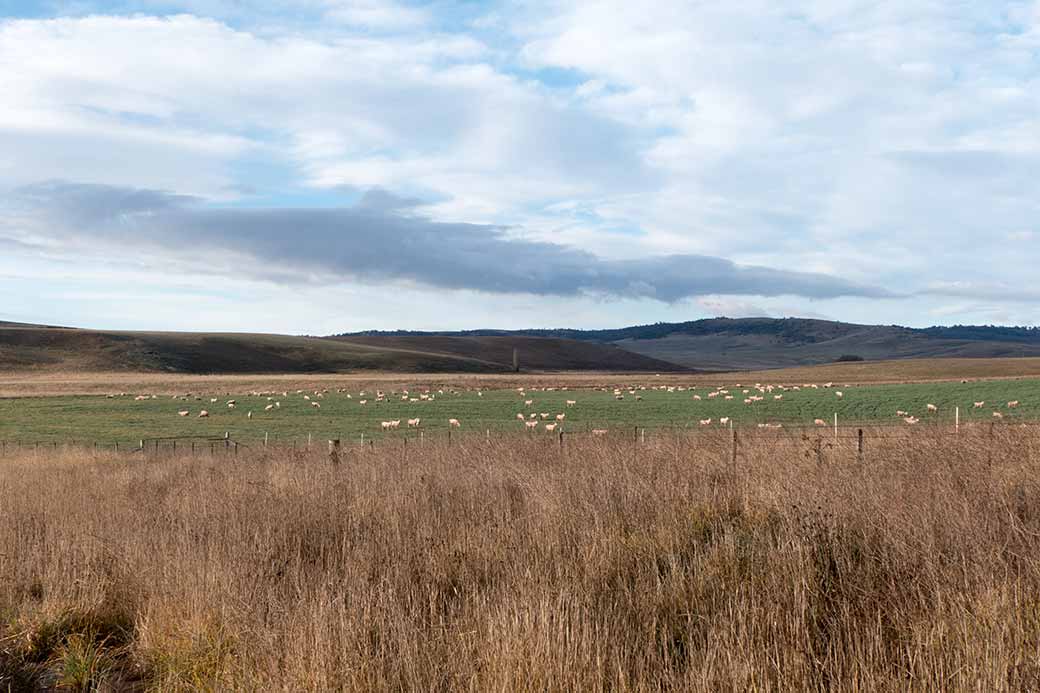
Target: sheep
[
  {"x": 997, "y": 415},
  {"x": 980, "y": 405},
  {"x": 454, "y": 423},
  {"x": 820, "y": 422},
  {"x": 839, "y": 394},
  {"x": 528, "y": 402},
  {"x": 571, "y": 402},
  {"x": 550, "y": 427},
  {"x": 203, "y": 414},
  {"x": 599, "y": 431},
  {"x": 1012, "y": 404},
  {"x": 316, "y": 405},
  {"x": 385, "y": 425},
  {"x": 911, "y": 420},
  {"x": 269, "y": 407},
  {"x": 531, "y": 425},
  {"x": 724, "y": 420},
  {"x": 697, "y": 398},
  {"x": 183, "y": 413},
  {"x": 520, "y": 416},
  {"x": 561, "y": 417},
  {"x": 931, "y": 407},
  {"x": 363, "y": 402},
  {"x": 414, "y": 423},
  {"x": 778, "y": 396},
  {"x": 231, "y": 405},
  {"x": 249, "y": 415},
  {"x": 705, "y": 422}
]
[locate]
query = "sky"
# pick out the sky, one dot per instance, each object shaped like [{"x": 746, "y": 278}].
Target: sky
[{"x": 324, "y": 166}]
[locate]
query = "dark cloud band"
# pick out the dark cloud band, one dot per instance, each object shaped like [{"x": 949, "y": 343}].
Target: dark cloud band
[{"x": 383, "y": 239}]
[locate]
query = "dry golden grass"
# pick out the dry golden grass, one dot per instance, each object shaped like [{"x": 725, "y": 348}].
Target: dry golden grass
[
  {"x": 517, "y": 567},
  {"x": 79, "y": 382}
]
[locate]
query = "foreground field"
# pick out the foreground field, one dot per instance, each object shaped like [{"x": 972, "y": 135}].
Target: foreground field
[
  {"x": 521, "y": 567},
  {"x": 290, "y": 415}
]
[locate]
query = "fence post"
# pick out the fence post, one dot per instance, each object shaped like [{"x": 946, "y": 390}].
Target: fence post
[
  {"x": 334, "y": 451},
  {"x": 733, "y": 444},
  {"x": 308, "y": 441},
  {"x": 859, "y": 445},
  {"x": 561, "y": 440},
  {"x": 957, "y": 420},
  {"x": 835, "y": 427},
  {"x": 265, "y": 439}
]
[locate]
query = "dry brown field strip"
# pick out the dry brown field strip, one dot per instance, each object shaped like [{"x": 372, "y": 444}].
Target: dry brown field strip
[{"x": 518, "y": 566}]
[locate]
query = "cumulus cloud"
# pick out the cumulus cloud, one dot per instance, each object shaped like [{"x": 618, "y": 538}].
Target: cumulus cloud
[{"x": 384, "y": 239}]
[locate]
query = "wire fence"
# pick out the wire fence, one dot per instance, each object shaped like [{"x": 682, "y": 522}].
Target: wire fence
[{"x": 857, "y": 437}]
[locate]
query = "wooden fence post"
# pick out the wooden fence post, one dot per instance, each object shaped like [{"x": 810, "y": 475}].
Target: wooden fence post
[
  {"x": 733, "y": 444},
  {"x": 859, "y": 445},
  {"x": 334, "y": 451}
]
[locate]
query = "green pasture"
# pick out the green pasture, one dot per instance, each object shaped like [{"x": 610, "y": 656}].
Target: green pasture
[{"x": 108, "y": 420}]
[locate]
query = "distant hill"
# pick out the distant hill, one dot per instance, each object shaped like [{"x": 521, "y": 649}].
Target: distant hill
[
  {"x": 762, "y": 343},
  {"x": 47, "y": 348}
]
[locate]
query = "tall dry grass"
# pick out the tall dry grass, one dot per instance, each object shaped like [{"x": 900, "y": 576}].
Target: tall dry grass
[{"x": 515, "y": 567}]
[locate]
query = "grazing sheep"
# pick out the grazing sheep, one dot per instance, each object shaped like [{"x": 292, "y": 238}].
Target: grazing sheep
[
  {"x": 697, "y": 397},
  {"x": 979, "y": 405},
  {"x": 531, "y": 425},
  {"x": 997, "y": 415},
  {"x": 561, "y": 417},
  {"x": 316, "y": 405},
  {"x": 203, "y": 414},
  {"x": 932, "y": 407},
  {"x": 454, "y": 423},
  {"x": 571, "y": 402},
  {"x": 724, "y": 420},
  {"x": 528, "y": 402},
  {"x": 1012, "y": 404},
  {"x": 705, "y": 422},
  {"x": 183, "y": 413},
  {"x": 269, "y": 407},
  {"x": 839, "y": 394},
  {"x": 550, "y": 427},
  {"x": 778, "y": 396},
  {"x": 820, "y": 422},
  {"x": 911, "y": 420},
  {"x": 414, "y": 423},
  {"x": 231, "y": 405}
]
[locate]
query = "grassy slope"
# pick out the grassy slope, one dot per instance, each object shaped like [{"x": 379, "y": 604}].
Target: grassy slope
[
  {"x": 757, "y": 351},
  {"x": 122, "y": 418},
  {"x": 87, "y": 350}
]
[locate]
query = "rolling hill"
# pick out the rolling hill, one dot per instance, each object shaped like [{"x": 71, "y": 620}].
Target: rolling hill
[
  {"x": 54, "y": 349},
  {"x": 761, "y": 343}
]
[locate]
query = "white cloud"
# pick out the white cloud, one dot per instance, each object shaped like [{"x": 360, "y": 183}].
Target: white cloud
[{"x": 886, "y": 143}]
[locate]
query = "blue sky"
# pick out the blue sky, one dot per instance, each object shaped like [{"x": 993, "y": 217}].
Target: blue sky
[{"x": 330, "y": 165}]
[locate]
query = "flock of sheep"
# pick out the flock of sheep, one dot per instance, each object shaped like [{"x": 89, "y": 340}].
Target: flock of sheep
[{"x": 548, "y": 421}]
